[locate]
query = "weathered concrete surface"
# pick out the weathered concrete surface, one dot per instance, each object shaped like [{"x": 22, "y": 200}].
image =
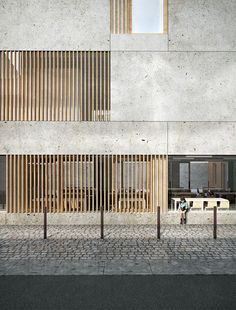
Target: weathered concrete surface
[
  {"x": 180, "y": 138},
  {"x": 202, "y": 138},
  {"x": 202, "y": 25},
  {"x": 83, "y": 138},
  {"x": 54, "y": 25},
  {"x": 139, "y": 42},
  {"x": 184, "y": 86},
  {"x": 194, "y": 217}
]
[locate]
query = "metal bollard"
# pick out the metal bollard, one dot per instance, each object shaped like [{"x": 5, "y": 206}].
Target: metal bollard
[
  {"x": 45, "y": 223},
  {"x": 158, "y": 222},
  {"x": 215, "y": 223},
  {"x": 102, "y": 222}
]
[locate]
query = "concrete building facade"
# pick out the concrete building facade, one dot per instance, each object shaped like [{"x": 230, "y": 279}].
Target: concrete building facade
[{"x": 171, "y": 94}]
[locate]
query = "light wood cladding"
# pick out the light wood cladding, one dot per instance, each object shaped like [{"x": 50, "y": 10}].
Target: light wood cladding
[
  {"x": 54, "y": 86},
  {"x": 82, "y": 183},
  {"x": 165, "y": 16},
  {"x": 121, "y": 16}
]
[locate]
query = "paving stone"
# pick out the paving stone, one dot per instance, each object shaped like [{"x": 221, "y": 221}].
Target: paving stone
[{"x": 79, "y": 248}]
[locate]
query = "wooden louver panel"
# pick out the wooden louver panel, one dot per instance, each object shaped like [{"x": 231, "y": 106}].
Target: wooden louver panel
[
  {"x": 54, "y": 86},
  {"x": 82, "y": 183},
  {"x": 121, "y": 16}
]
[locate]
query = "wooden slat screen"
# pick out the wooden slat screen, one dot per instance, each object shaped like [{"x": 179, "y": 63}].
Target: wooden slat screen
[
  {"x": 82, "y": 183},
  {"x": 121, "y": 16},
  {"x": 54, "y": 86}
]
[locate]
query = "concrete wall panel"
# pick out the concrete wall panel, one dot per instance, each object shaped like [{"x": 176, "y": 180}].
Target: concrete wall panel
[
  {"x": 178, "y": 86},
  {"x": 202, "y": 25},
  {"x": 139, "y": 42},
  {"x": 54, "y": 24},
  {"x": 83, "y": 138},
  {"x": 202, "y": 138}
]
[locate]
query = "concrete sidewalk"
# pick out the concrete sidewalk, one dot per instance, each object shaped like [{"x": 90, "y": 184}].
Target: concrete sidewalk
[{"x": 77, "y": 250}]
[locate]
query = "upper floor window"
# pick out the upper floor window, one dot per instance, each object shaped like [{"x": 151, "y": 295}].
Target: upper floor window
[
  {"x": 147, "y": 16},
  {"x": 138, "y": 16}
]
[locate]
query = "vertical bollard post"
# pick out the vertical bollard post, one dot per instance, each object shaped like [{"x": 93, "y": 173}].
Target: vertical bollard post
[
  {"x": 215, "y": 223},
  {"x": 102, "y": 222},
  {"x": 45, "y": 223},
  {"x": 158, "y": 223}
]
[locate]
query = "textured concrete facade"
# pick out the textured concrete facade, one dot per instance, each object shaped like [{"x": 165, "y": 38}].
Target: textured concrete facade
[
  {"x": 173, "y": 138},
  {"x": 185, "y": 75},
  {"x": 173, "y": 86},
  {"x": 202, "y": 25},
  {"x": 55, "y": 25}
]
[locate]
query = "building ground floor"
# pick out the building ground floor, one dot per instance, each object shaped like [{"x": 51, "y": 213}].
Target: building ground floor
[{"x": 129, "y": 187}]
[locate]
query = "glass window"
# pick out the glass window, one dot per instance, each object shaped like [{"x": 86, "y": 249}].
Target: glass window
[{"x": 147, "y": 16}]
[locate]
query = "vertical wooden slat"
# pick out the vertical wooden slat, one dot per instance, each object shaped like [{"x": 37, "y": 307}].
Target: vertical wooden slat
[
  {"x": 27, "y": 209},
  {"x": 96, "y": 81},
  {"x": 165, "y": 16},
  {"x": 108, "y": 182},
  {"x": 22, "y": 183},
  {"x": 14, "y": 184},
  {"x": 93, "y": 184},
  {"x": 86, "y": 182},
  {"x": 143, "y": 193},
  {"x": 7, "y": 184},
  {"x": 61, "y": 187},
  {"x": 69, "y": 183},
  {"x": 85, "y": 85},
  {"x": 42, "y": 87},
  {"x": 58, "y": 179},
  {"x": 77, "y": 87},
  {"x": 73, "y": 180},
  {"x": 34, "y": 75},
  {"x": 80, "y": 182},
  {"x": 159, "y": 181},
  {"x": 30, "y": 86},
  {"x": 46, "y": 182},
  {"x": 88, "y": 118},
  {"x": 57, "y": 87},
  {"x": 139, "y": 182},
  {"x": 38, "y": 86},
  {"x": 166, "y": 187},
  {"x": 34, "y": 183},
  {"x": 89, "y": 183},
  {"x": 9, "y": 106},
  {"x": 112, "y": 182},
  {"x": 69, "y": 87},
  {"x": 54, "y": 182},
  {"x": 105, "y": 183},
  {"x": 135, "y": 182},
  {"x": 18, "y": 184},
  {"x": 45, "y": 87},
  {"x": 50, "y": 183},
  {"x": 38, "y": 183},
  {"x": 82, "y": 84},
  {"x": 147, "y": 183},
  {"x": 6, "y": 86},
  {"x": 42, "y": 182},
  {"x": 60, "y": 100},
  {"x": 1, "y": 85},
  {"x": 30, "y": 184},
  {"x": 132, "y": 182},
  {"x": 116, "y": 183}
]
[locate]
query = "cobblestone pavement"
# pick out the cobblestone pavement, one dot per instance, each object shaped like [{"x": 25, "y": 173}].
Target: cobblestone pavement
[{"x": 187, "y": 249}]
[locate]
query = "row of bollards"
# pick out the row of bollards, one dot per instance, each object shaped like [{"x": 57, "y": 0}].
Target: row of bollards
[{"x": 158, "y": 223}]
